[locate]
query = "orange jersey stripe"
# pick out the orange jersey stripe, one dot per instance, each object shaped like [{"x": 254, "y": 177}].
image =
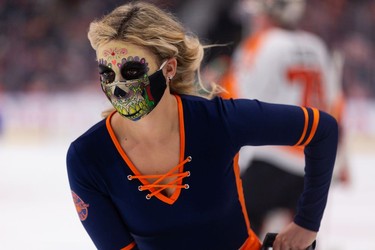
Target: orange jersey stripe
[
  {"x": 314, "y": 126},
  {"x": 252, "y": 242},
  {"x": 182, "y": 127},
  {"x": 128, "y": 247},
  {"x": 305, "y": 127}
]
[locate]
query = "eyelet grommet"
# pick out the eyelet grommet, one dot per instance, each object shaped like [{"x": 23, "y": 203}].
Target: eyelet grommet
[
  {"x": 190, "y": 158},
  {"x": 188, "y": 173},
  {"x": 148, "y": 197},
  {"x": 187, "y": 186},
  {"x": 140, "y": 188},
  {"x": 130, "y": 177}
]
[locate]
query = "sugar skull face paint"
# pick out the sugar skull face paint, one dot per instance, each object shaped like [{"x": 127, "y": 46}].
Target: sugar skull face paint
[
  {"x": 124, "y": 78},
  {"x": 139, "y": 94}
]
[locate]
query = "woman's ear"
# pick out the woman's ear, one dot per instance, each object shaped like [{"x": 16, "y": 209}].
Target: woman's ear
[{"x": 171, "y": 68}]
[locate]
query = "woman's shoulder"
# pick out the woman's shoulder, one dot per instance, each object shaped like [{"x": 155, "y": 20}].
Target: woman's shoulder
[
  {"x": 92, "y": 135},
  {"x": 217, "y": 108},
  {"x": 200, "y": 100},
  {"x": 217, "y": 102},
  {"x": 192, "y": 98},
  {"x": 199, "y": 103}
]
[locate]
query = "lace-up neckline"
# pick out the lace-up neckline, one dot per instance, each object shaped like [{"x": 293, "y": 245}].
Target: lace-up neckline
[
  {"x": 176, "y": 173},
  {"x": 156, "y": 187}
]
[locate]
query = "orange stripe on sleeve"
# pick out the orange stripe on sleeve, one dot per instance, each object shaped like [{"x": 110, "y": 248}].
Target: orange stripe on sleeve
[
  {"x": 314, "y": 126},
  {"x": 305, "y": 127}
]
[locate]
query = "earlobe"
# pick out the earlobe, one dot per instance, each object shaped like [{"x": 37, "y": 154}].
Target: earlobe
[{"x": 171, "y": 68}]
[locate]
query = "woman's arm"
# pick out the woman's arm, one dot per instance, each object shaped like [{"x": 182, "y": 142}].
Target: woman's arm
[
  {"x": 273, "y": 124},
  {"x": 95, "y": 210}
]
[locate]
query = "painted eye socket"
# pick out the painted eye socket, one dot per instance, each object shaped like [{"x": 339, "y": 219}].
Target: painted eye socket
[
  {"x": 133, "y": 70},
  {"x": 107, "y": 77}
]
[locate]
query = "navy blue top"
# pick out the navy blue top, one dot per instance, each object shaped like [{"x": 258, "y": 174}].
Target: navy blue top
[{"x": 210, "y": 212}]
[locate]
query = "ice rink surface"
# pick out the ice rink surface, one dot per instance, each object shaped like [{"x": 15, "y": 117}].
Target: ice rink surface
[{"x": 36, "y": 207}]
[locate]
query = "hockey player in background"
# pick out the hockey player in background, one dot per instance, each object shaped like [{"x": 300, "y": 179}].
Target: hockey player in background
[{"x": 280, "y": 63}]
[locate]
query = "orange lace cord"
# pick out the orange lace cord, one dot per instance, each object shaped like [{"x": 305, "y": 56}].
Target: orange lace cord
[{"x": 161, "y": 187}]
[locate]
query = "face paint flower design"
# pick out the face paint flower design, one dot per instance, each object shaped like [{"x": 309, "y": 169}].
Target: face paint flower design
[
  {"x": 114, "y": 55},
  {"x": 120, "y": 65},
  {"x": 102, "y": 61},
  {"x": 133, "y": 59}
]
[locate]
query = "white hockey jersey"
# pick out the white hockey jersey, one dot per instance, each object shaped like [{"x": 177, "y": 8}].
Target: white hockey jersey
[{"x": 281, "y": 66}]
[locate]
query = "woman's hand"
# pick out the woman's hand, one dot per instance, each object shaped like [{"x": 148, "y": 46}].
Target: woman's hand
[{"x": 294, "y": 237}]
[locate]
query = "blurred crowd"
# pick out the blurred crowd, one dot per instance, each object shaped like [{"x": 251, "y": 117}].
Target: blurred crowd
[{"x": 44, "y": 45}]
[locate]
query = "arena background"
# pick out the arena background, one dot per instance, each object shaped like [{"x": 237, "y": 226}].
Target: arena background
[{"x": 49, "y": 95}]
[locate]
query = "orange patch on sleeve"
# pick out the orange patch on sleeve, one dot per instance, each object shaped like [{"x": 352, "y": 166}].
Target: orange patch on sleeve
[{"x": 81, "y": 207}]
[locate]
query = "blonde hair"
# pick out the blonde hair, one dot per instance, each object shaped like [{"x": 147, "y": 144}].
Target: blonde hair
[{"x": 146, "y": 25}]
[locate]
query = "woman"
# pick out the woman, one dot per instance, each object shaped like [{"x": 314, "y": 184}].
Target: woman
[{"x": 160, "y": 172}]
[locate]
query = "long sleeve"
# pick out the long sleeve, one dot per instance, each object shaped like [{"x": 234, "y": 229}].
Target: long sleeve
[
  {"x": 274, "y": 124},
  {"x": 95, "y": 209},
  {"x": 320, "y": 155}
]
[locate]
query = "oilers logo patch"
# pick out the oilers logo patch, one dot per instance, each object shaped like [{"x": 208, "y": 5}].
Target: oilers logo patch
[{"x": 81, "y": 207}]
